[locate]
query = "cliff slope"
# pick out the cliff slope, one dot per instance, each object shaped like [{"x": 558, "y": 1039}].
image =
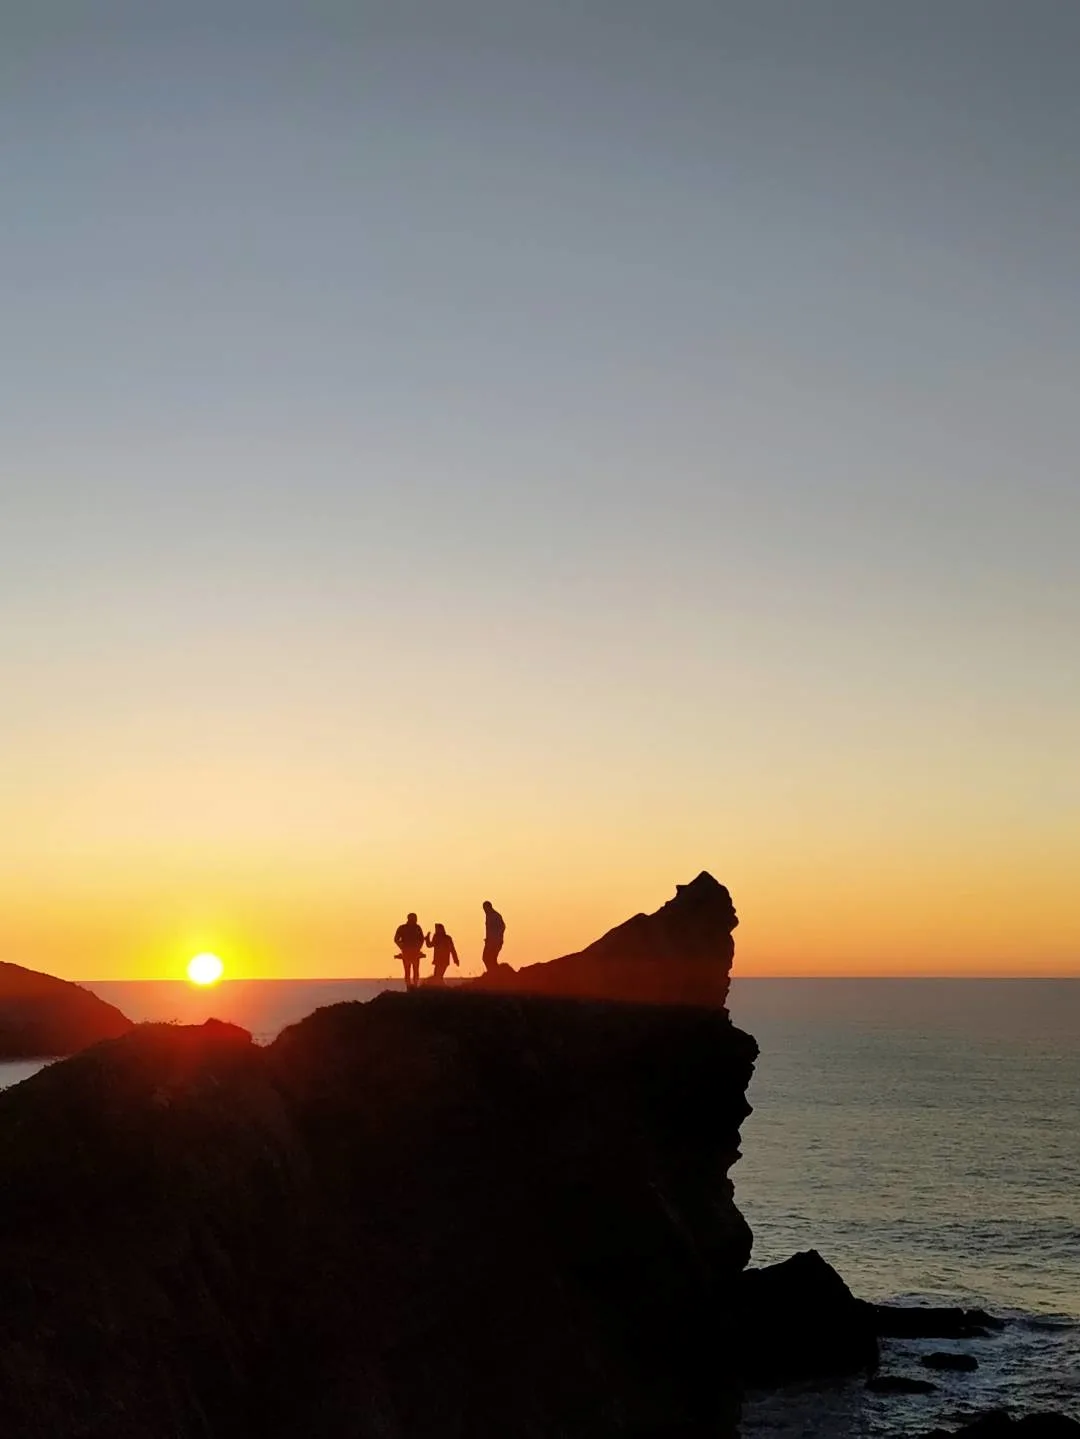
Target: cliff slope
[
  {"x": 681, "y": 954},
  {"x": 41, "y": 1016}
]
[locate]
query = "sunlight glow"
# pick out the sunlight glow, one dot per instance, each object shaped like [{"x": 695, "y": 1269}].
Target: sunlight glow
[{"x": 205, "y": 969}]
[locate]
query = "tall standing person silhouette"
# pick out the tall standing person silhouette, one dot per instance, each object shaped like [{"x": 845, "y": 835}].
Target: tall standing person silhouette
[
  {"x": 409, "y": 938},
  {"x": 494, "y": 933}
]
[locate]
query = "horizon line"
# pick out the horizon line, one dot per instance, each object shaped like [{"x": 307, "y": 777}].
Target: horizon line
[{"x": 396, "y": 979}]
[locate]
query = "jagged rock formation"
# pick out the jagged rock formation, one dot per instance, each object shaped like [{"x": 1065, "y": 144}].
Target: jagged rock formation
[
  {"x": 41, "y": 1016},
  {"x": 455, "y": 1214},
  {"x": 682, "y": 954},
  {"x": 799, "y": 1320}
]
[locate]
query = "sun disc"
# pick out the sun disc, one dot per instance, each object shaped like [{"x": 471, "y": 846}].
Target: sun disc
[{"x": 205, "y": 969}]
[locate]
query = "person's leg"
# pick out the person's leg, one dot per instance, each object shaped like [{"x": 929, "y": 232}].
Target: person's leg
[{"x": 415, "y": 969}]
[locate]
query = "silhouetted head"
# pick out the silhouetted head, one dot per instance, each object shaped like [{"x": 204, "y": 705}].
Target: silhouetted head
[
  {"x": 488, "y": 904},
  {"x": 439, "y": 929},
  {"x": 410, "y": 918}
]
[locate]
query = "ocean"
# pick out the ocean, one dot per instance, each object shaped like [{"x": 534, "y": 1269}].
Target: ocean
[{"x": 923, "y": 1135}]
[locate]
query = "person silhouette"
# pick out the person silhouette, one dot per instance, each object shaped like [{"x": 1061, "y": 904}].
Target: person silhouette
[
  {"x": 494, "y": 933},
  {"x": 409, "y": 938},
  {"x": 443, "y": 945}
]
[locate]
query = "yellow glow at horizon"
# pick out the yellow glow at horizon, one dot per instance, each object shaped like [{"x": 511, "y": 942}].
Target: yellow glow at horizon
[
  {"x": 205, "y": 969},
  {"x": 856, "y": 849}
]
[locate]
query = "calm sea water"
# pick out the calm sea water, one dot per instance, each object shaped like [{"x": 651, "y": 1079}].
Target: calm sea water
[{"x": 924, "y": 1135}]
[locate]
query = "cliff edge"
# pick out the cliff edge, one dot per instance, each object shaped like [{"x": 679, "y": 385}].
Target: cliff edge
[{"x": 681, "y": 954}]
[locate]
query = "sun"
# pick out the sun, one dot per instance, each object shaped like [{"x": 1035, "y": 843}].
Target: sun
[{"x": 205, "y": 969}]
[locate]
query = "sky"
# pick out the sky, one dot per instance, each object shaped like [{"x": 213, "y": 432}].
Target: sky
[{"x": 536, "y": 451}]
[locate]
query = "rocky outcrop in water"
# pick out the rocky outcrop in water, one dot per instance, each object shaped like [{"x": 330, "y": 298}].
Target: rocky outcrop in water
[
  {"x": 41, "y": 1016},
  {"x": 922, "y": 1321},
  {"x": 447, "y": 1213},
  {"x": 799, "y": 1320}
]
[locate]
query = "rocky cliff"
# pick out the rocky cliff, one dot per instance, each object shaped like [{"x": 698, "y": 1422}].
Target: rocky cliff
[
  {"x": 446, "y": 1213},
  {"x": 682, "y": 954},
  {"x": 41, "y": 1016}
]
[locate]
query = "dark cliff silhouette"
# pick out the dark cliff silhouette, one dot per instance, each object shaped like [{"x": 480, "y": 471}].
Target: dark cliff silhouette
[
  {"x": 682, "y": 954},
  {"x": 41, "y": 1016},
  {"x": 434, "y": 1214},
  {"x": 449, "y": 1213}
]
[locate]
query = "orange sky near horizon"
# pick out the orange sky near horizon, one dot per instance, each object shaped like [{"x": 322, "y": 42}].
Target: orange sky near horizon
[
  {"x": 818, "y": 905},
  {"x": 871, "y": 814}
]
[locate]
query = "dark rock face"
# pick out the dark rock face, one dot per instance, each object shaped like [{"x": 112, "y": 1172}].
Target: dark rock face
[
  {"x": 917, "y": 1321},
  {"x": 547, "y": 1218},
  {"x": 799, "y": 1320},
  {"x": 682, "y": 954},
  {"x": 41, "y": 1016},
  {"x": 437, "y": 1214},
  {"x": 143, "y": 1182}
]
